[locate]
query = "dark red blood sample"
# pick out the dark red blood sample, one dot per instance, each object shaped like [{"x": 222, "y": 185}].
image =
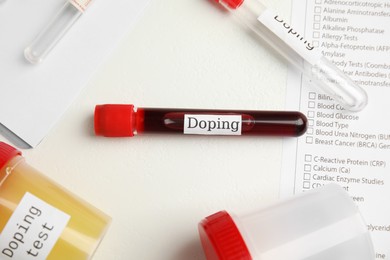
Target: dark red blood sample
[{"x": 271, "y": 123}]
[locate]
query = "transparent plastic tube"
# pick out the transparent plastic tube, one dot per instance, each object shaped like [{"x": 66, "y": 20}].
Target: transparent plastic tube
[
  {"x": 299, "y": 52},
  {"x": 55, "y": 30}
]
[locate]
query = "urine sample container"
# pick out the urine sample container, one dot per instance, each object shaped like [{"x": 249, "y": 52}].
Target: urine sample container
[
  {"x": 40, "y": 219},
  {"x": 322, "y": 224}
]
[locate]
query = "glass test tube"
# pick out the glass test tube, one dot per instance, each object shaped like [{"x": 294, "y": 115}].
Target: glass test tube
[
  {"x": 70, "y": 12},
  {"x": 295, "y": 48},
  {"x": 125, "y": 120}
]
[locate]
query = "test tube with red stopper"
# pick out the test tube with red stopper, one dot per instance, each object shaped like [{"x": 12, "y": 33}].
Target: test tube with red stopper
[
  {"x": 127, "y": 121},
  {"x": 299, "y": 51}
]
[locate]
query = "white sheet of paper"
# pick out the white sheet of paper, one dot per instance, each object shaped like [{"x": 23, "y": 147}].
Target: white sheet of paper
[
  {"x": 33, "y": 97},
  {"x": 351, "y": 149}
]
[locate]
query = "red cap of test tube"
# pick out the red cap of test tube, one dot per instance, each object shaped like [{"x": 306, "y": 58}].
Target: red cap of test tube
[
  {"x": 232, "y": 3},
  {"x": 221, "y": 238},
  {"x": 114, "y": 120},
  {"x": 7, "y": 152}
]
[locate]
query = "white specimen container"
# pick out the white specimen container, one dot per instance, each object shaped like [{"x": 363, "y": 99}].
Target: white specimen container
[{"x": 321, "y": 224}]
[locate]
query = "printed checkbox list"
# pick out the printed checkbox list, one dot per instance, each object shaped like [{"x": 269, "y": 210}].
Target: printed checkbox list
[
  {"x": 344, "y": 145},
  {"x": 307, "y": 168},
  {"x": 317, "y": 22},
  {"x": 311, "y": 105}
]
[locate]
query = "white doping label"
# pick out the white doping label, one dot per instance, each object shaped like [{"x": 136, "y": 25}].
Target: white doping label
[
  {"x": 32, "y": 230},
  {"x": 290, "y": 36},
  {"x": 80, "y": 4},
  {"x": 212, "y": 124}
]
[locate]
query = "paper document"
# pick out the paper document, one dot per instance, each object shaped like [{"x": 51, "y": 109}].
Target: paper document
[
  {"x": 351, "y": 149},
  {"x": 33, "y": 97}
]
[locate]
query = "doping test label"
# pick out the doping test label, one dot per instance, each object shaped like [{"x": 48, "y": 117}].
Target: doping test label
[
  {"x": 212, "y": 124},
  {"x": 351, "y": 149},
  {"x": 32, "y": 230},
  {"x": 290, "y": 36}
]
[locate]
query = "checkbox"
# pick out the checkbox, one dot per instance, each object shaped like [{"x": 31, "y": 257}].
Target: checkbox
[
  {"x": 306, "y": 184},
  {"x": 316, "y": 44},
  {"x": 307, "y": 176},
  {"x": 317, "y": 18},
  {"x": 310, "y": 114},
  {"x": 312, "y": 95},
  {"x": 317, "y": 10},
  {"x": 310, "y": 122},
  {"x": 318, "y": 2},
  {"x": 311, "y": 104},
  {"x": 310, "y": 131},
  {"x": 307, "y": 167},
  {"x": 316, "y": 26},
  {"x": 308, "y": 157},
  {"x": 316, "y": 35},
  {"x": 309, "y": 139}
]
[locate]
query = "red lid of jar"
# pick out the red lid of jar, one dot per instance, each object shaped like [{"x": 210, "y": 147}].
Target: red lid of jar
[
  {"x": 114, "y": 120},
  {"x": 7, "y": 152},
  {"x": 221, "y": 239}
]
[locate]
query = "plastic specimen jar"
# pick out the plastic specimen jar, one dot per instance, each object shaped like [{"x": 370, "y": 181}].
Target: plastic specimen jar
[
  {"x": 322, "y": 224},
  {"x": 40, "y": 219}
]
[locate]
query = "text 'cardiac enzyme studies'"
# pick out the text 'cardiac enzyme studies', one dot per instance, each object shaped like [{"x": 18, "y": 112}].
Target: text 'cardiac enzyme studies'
[{"x": 351, "y": 149}]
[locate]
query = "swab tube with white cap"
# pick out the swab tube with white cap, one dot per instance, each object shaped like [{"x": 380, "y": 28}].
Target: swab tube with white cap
[
  {"x": 55, "y": 30},
  {"x": 295, "y": 48}
]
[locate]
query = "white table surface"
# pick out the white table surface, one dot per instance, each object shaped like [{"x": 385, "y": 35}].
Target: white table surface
[{"x": 182, "y": 53}]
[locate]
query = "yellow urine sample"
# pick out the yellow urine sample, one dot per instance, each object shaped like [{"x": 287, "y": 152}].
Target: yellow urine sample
[{"x": 86, "y": 226}]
